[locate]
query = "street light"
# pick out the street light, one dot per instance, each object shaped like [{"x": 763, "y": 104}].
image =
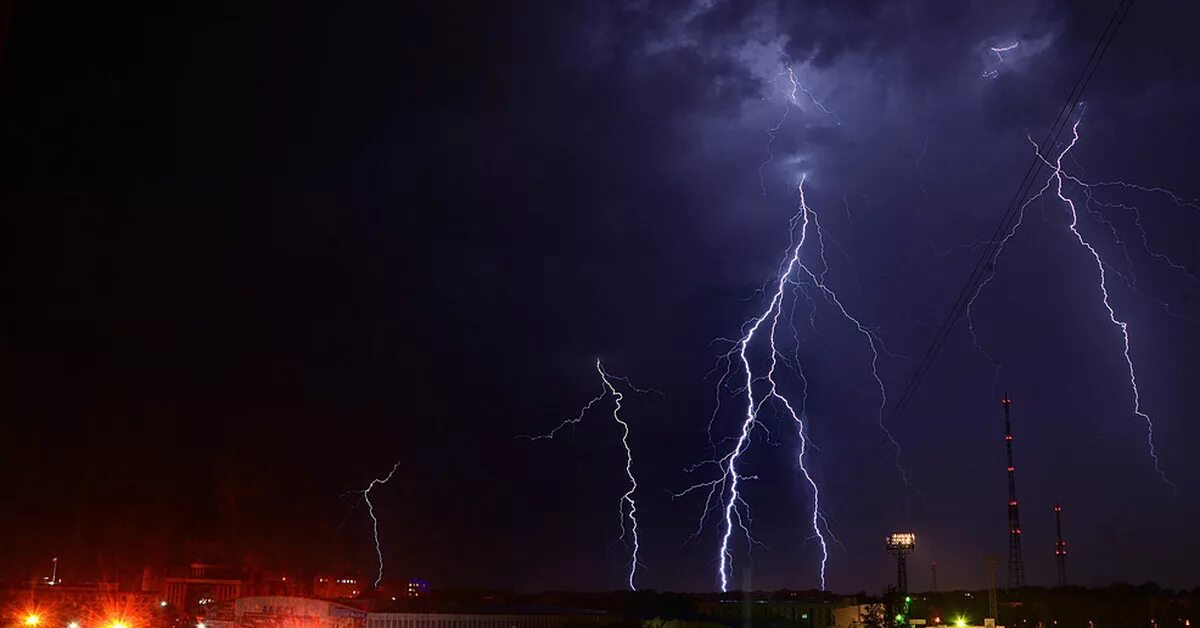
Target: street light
[
  {"x": 960, "y": 621},
  {"x": 32, "y": 619},
  {"x": 73, "y": 624}
]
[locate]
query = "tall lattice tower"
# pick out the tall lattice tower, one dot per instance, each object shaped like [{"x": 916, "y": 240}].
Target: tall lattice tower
[
  {"x": 1016, "y": 565},
  {"x": 1060, "y": 547}
]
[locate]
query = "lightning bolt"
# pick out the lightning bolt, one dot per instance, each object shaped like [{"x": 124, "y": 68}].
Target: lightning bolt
[
  {"x": 1002, "y": 49},
  {"x": 724, "y": 492},
  {"x": 1058, "y": 180},
  {"x": 1058, "y": 177},
  {"x": 999, "y": 51},
  {"x": 626, "y": 505},
  {"x": 753, "y": 406},
  {"x": 1091, "y": 203},
  {"x": 366, "y": 495},
  {"x": 791, "y": 100}
]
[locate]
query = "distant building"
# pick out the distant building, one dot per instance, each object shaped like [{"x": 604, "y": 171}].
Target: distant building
[
  {"x": 337, "y": 587},
  {"x": 204, "y": 586},
  {"x": 417, "y": 588}
]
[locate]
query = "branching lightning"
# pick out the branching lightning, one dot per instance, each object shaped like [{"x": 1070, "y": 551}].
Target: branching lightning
[
  {"x": 366, "y": 495},
  {"x": 723, "y": 494},
  {"x": 999, "y": 51},
  {"x": 626, "y": 505},
  {"x": 794, "y": 87},
  {"x": 1058, "y": 181}
]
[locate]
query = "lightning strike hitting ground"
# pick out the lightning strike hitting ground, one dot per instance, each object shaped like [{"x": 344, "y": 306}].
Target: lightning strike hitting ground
[
  {"x": 366, "y": 494},
  {"x": 627, "y": 505},
  {"x": 731, "y": 474},
  {"x": 723, "y": 493}
]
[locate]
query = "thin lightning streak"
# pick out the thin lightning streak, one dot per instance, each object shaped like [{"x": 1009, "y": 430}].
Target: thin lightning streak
[
  {"x": 627, "y": 498},
  {"x": 1090, "y": 204},
  {"x": 569, "y": 421},
  {"x": 872, "y": 340},
  {"x": 991, "y": 274},
  {"x": 366, "y": 493},
  {"x": 626, "y": 505},
  {"x": 820, "y": 105},
  {"x": 1058, "y": 178},
  {"x": 999, "y": 51},
  {"x": 773, "y": 392},
  {"x": 773, "y": 132}
]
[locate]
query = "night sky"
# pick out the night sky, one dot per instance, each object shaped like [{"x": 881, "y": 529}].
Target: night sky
[{"x": 254, "y": 254}]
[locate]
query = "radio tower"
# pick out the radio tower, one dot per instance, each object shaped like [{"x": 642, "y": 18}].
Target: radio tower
[
  {"x": 1016, "y": 566},
  {"x": 1060, "y": 547}
]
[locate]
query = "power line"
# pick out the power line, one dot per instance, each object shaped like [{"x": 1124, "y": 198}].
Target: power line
[{"x": 986, "y": 260}]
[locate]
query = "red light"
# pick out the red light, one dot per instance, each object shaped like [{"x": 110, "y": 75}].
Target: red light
[
  {"x": 1008, "y": 437},
  {"x": 1011, "y": 469},
  {"x": 1013, "y": 502}
]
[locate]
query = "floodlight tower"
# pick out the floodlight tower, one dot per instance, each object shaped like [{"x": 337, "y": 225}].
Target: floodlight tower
[{"x": 900, "y": 545}]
